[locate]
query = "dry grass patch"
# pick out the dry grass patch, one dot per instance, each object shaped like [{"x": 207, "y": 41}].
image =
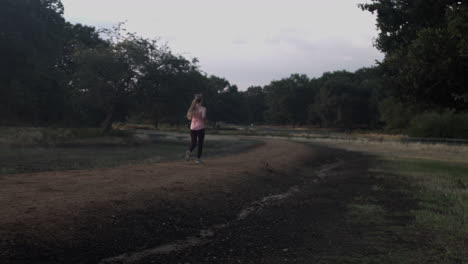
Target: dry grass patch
[{"x": 394, "y": 149}]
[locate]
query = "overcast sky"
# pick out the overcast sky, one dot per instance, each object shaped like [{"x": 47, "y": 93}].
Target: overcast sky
[{"x": 248, "y": 42}]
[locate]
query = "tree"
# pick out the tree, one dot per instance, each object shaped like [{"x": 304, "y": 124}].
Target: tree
[
  {"x": 288, "y": 100},
  {"x": 369, "y": 82},
  {"x": 396, "y": 115},
  {"x": 31, "y": 41},
  {"x": 167, "y": 85},
  {"x": 181, "y": 83},
  {"x": 107, "y": 76},
  {"x": 399, "y": 21},
  {"x": 232, "y": 107},
  {"x": 213, "y": 87},
  {"x": 255, "y": 104},
  {"x": 426, "y": 50},
  {"x": 346, "y": 99}
]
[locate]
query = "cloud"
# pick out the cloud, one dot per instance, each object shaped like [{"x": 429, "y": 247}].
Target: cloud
[{"x": 238, "y": 40}]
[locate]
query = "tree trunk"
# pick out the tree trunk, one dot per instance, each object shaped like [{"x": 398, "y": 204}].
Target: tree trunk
[
  {"x": 156, "y": 124},
  {"x": 155, "y": 116},
  {"x": 106, "y": 125},
  {"x": 156, "y": 121}
]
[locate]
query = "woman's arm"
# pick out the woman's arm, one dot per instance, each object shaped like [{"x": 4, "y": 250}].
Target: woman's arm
[
  {"x": 191, "y": 108},
  {"x": 204, "y": 114}
]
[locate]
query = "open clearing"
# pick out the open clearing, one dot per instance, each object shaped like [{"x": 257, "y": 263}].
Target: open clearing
[{"x": 280, "y": 202}]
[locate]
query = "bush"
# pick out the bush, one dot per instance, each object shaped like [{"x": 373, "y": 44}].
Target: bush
[
  {"x": 446, "y": 124},
  {"x": 395, "y": 114},
  {"x": 54, "y": 135}
]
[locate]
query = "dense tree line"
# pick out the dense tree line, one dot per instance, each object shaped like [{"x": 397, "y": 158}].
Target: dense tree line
[
  {"x": 337, "y": 99},
  {"x": 426, "y": 64},
  {"x": 53, "y": 72}
]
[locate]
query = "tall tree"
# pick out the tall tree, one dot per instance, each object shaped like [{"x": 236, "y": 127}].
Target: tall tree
[
  {"x": 31, "y": 41},
  {"x": 345, "y": 100},
  {"x": 288, "y": 100},
  {"x": 255, "y": 104},
  {"x": 167, "y": 85},
  {"x": 107, "y": 76},
  {"x": 230, "y": 106},
  {"x": 425, "y": 46},
  {"x": 214, "y": 86}
]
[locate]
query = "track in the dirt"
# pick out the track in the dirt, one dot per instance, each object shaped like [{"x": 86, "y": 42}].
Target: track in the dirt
[
  {"x": 305, "y": 224},
  {"x": 204, "y": 235},
  {"x": 261, "y": 215}
]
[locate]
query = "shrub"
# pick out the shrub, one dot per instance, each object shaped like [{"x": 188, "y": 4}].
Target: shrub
[
  {"x": 54, "y": 135},
  {"x": 395, "y": 115},
  {"x": 445, "y": 124}
]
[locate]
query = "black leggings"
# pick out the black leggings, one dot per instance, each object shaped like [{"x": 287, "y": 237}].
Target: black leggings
[{"x": 200, "y": 135}]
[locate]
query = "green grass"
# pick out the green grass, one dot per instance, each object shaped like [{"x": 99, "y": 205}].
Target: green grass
[
  {"x": 87, "y": 152},
  {"x": 434, "y": 168},
  {"x": 51, "y": 136},
  {"x": 416, "y": 211},
  {"x": 37, "y": 159}
]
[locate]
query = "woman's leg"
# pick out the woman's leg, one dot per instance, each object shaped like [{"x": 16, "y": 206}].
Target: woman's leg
[
  {"x": 201, "y": 139},
  {"x": 193, "y": 136}
]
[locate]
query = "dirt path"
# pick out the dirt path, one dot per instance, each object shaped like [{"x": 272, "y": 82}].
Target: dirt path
[
  {"x": 85, "y": 216},
  {"x": 307, "y": 223}
]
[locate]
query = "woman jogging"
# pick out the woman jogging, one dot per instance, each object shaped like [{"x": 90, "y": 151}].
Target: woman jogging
[{"x": 196, "y": 113}]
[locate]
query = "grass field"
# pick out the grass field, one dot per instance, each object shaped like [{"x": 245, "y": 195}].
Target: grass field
[
  {"x": 416, "y": 211},
  {"x": 30, "y": 150}
]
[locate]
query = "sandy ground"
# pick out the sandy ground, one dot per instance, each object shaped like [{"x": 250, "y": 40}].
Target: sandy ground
[{"x": 52, "y": 217}]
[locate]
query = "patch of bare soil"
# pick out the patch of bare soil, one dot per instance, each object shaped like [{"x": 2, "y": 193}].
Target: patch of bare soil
[{"x": 85, "y": 216}]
